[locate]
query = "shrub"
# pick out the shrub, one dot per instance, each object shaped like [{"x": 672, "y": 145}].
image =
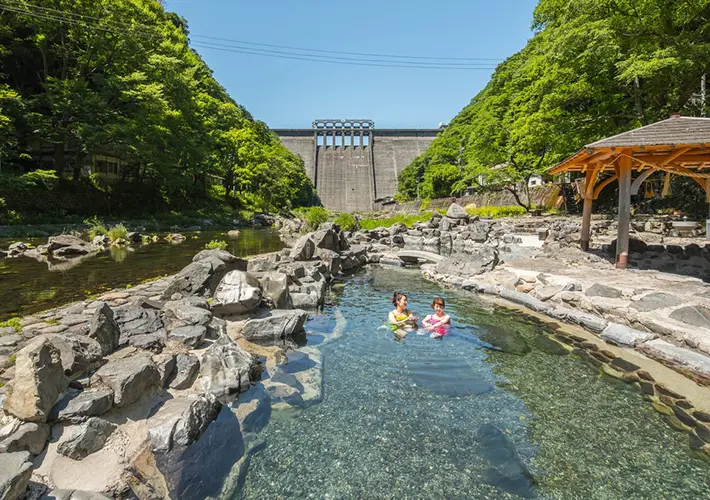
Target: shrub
[
  {"x": 117, "y": 231},
  {"x": 497, "y": 212},
  {"x": 347, "y": 222},
  {"x": 216, "y": 245},
  {"x": 313, "y": 216},
  {"x": 424, "y": 205},
  {"x": 12, "y": 322},
  {"x": 96, "y": 227},
  {"x": 407, "y": 220}
]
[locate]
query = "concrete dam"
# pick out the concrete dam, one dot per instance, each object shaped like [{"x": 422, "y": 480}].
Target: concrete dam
[{"x": 354, "y": 166}]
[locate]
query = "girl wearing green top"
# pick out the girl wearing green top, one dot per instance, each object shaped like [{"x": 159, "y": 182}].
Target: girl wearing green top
[{"x": 400, "y": 317}]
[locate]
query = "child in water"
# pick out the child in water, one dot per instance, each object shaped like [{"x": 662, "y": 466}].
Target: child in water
[
  {"x": 439, "y": 321},
  {"x": 401, "y": 318}
]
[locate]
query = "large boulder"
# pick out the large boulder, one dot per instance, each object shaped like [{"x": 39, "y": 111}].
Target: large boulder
[
  {"x": 187, "y": 312},
  {"x": 76, "y": 408},
  {"x": 105, "y": 329},
  {"x": 141, "y": 325},
  {"x": 198, "y": 278},
  {"x": 456, "y": 211},
  {"x": 482, "y": 259},
  {"x": 274, "y": 285},
  {"x": 39, "y": 381},
  {"x": 233, "y": 263},
  {"x": 326, "y": 238},
  {"x": 186, "y": 369},
  {"x": 303, "y": 248},
  {"x": 274, "y": 325},
  {"x": 226, "y": 368},
  {"x": 66, "y": 244},
  {"x": 15, "y": 473},
  {"x": 30, "y": 436},
  {"x": 86, "y": 439},
  {"x": 181, "y": 422},
  {"x": 191, "y": 336},
  {"x": 129, "y": 378},
  {"x": 80, "y": 354},
  {"x": 237, "y": 293},
  {"x": 264, "y": 263}
]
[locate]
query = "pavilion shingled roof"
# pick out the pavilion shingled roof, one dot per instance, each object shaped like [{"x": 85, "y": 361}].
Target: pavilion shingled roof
[{"x": 673, "y": 131}]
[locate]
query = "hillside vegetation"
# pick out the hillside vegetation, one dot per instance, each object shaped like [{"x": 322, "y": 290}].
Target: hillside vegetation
[
  {"x": 593, "y": 68},
  {"x": 118, "y": 78}
]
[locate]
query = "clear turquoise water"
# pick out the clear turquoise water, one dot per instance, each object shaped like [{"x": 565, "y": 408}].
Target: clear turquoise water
[
  {"x": 28, "y": 286},
  {"x": 452, "y": 418}
]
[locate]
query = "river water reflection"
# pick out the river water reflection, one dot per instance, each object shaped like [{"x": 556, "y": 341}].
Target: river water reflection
[
  {"x": 28, "y": 286},
  {"x": 454, "y": 418}
]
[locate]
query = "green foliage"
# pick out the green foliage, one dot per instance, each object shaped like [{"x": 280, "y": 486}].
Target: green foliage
[
  {"x": 425, "y": 204},
  {"x": 119, "y": 231},
  {"x": 13, "y": 358},
  {"x": 73, "y": 89},
  {"x": 312, "y": 216},
  {"x": 407, "y": 220},
  {"x": 96, "y": 227},
  {"x": 216, "y": 245},
  {"x": 13, "y": 323},
  {"x": 497, "y": 212},
  {"x": 347, "y": 222},
  {"x": 594, "y": 68}
]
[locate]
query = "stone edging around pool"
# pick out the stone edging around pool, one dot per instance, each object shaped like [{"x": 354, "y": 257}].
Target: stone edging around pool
[{"x": 677, "y": 410}]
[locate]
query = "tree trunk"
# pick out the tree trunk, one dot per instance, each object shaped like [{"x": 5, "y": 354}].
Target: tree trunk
[{"x": 638, "y": 101}]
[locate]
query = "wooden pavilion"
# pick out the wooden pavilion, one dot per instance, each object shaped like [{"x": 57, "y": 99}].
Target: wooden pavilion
[{"x": 676, "y": 146}]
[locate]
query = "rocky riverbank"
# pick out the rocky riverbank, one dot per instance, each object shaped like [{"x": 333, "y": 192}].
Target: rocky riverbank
[{"x": 132, "y": 395}]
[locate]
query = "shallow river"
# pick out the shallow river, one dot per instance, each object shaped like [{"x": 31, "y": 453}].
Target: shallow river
[
  {"x": 454, "y": 418},
  {"x": 28, "y": 286}
]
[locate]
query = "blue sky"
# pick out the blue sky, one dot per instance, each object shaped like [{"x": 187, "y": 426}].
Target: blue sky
[{"x": 289, "y": 93}]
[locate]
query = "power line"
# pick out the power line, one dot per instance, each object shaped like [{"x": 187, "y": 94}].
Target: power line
[
  {"x": 244, "y": 42},
  {"x": 122, "y": 28}
]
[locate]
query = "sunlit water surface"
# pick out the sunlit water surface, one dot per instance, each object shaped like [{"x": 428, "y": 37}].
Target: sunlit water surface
[{"x": 452, "y": 418}]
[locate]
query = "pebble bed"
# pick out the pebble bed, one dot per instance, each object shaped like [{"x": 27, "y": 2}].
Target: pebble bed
[{"x": 455, "y": 418}]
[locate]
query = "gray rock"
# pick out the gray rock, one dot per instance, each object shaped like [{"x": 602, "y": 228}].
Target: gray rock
[
  {"x": 391, "y": 259},
  {"x": 216, "y": 327},
  {"x": 326, "y": 238},
  {"x": 589, "y": 321},
  {"x": 191, "y": 336},
  {"x": 181, "y": 422},
  {"x": 303, "y": 248},
  {"x": 688, "y": 362},
  {"x": 504, "y": 339},
  {"x": 10, "y": 339},
  {"x": 273, "y": 325},
  {"x": 74, "y": 495},
  {"x": 79, "y": 353},
  {"x": 76, "y": 408},
  {"x": 86, "y": 439},
  {"x": 308, "y": 301},
  {"x": 55, "y": 243},
  {"x": 599, "y": 290},
  {"x": 139, "y": 319},
  {"x": 38, "y": 383},
  {"x": 129, "y": 378},
  {"x": 545, "y": 293},
  {"x": 165, "y": 362},
  {"x": 693, "y": 315},
  {"x": 483, "y": 259},
  {"x": 28, "y": 437},
  {"x": 331, "y": 259},
  {"x": 264, "y": 263},
  {"x": 183, "y": 313},
  {"x": 456, "y": 211},
  {"x": 525, "y": 299},
  {"x": 71, "y": 251},
  {"x": 101, "y": 240},
  {"x": 186, "y": 370},
  {"x": 15, "y": 473},
  {"x": 237, "y": 293},
  {"x": 656, "y": 300},
  {"x": 199, "y": 278},
  {"x": 397, "y": 228},
  {"x": 226, "y": 368},
  {"x": 625, "y": 336},
  {"x": 150, "y": 342},
  {"x": 233, "y": 263},
  {"x": 274, "y": 286}
]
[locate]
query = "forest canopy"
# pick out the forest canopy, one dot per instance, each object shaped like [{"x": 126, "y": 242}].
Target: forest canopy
[
  {"x": 92, "y": 90},
  {"x": 592, "y": 69}
]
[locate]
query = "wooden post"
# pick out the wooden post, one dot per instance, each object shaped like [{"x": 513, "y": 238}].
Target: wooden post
[
  {"x": 587, "y": 212},
  {"x": 622, "y": 238}
]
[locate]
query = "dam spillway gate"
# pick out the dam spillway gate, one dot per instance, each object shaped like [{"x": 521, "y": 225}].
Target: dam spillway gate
[{"x": 353, "y": 166}]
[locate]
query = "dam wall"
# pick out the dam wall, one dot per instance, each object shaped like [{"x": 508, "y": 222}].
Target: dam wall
[{"x": 352, "y": 165}]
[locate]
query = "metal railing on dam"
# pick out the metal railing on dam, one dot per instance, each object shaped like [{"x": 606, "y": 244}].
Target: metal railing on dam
[{"x": 351, "y": 163}]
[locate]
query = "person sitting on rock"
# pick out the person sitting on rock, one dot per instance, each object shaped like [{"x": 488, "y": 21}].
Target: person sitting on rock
[
  {"x": 439, "y": 321},
  {"x": 400, "y": 318}
]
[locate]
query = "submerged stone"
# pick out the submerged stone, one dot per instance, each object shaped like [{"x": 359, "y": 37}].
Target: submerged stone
[
  {"x": 507, "y": 471},
  {"x": 549, "y": 346},
  {"x": 504, "y": 339}
]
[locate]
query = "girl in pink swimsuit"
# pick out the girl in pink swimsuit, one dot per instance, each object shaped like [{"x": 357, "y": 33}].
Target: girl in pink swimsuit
[{"x": 438, "y": 322}]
